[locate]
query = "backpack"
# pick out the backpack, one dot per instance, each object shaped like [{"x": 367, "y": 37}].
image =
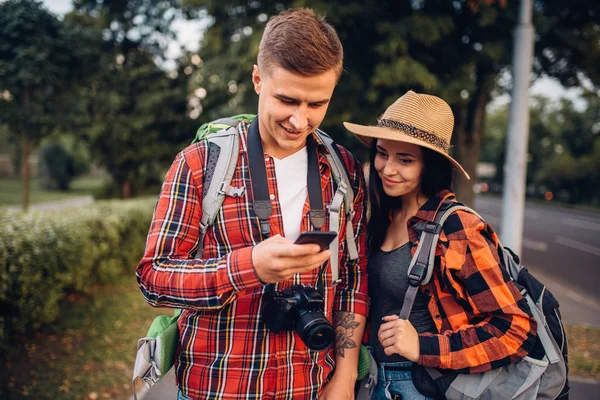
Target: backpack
[
  {"x": 540, "y": 375},
  {"x": 223, "y": 147}
]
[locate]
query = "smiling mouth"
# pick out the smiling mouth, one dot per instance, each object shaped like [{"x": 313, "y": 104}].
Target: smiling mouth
[
  {"x": 390, "y": 182},
  {"x": 291, "y": 131}
]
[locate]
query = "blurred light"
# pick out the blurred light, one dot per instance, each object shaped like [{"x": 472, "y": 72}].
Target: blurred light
[
  {"x": 484, "y": 187},
  {"x": 464, "y": 94},
  {"x": 195, "y": 113},
  {"x": 236, "y": 37},
  {"x": 262, "y": 18},
  {"x": 173, "y": 74},
  {"x": 120, "y": 59},
  {"x": 194, "y": 102},
  {"x": 6, "y": 95},
  {"x": 196, "y": 60},
  {"x": 559, "y": 149},
  {"x": 478, "y": 46},
  {"x": 247, "y": 30},
  {"x": 188, "y": 70},
  {"x": 200, "y": 93},
  {"x": 233, "y": 88},
  {"x": 548, "y": 196},
  {"x": 214, "y": 78},
  {"x": 465, "y": 39}
]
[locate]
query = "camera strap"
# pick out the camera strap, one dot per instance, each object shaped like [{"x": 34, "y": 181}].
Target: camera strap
[{"x": 261, "y": 203}]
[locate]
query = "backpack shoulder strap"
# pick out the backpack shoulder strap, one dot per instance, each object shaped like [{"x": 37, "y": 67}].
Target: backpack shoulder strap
[
  {"x": 222, "y": 157},
  {"x": 345, "y": 194},
  {"x": 421, "y": 264},
  {"x": 342, "y": 178}
]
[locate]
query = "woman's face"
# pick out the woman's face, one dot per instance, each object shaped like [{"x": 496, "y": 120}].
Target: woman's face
[{"x": 400, "y": 166}]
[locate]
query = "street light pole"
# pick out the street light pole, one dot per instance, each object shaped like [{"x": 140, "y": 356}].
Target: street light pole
[{"x": 515, "y": 166}]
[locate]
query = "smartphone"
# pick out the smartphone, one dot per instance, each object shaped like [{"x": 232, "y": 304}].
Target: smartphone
[{"x": 322, "y": 238}]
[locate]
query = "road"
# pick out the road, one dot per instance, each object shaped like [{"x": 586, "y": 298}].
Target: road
[{"x": 561, "y": 243}]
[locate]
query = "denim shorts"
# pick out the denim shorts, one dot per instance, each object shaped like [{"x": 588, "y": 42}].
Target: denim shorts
[
  {"x": 394, "y": 382},
  {"x": 181, "y": 396}
]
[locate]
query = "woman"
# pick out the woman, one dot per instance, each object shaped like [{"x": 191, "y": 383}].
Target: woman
[{"x": 469, "y": 317}]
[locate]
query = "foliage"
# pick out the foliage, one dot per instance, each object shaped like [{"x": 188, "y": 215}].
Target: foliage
[
  {"x": 457, "y": 50},
  {"x": 41, "y": 58},
  {"x": 88, "y": 353},
  {"x": 137, "y": 111},
  {"x": 45, "y": 256},
  {"x": 564, "y": 149},
  {"x": 56, "y": 167}
]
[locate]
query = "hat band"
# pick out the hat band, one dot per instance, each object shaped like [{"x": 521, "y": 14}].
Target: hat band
[{"x": 415, "y": 132}]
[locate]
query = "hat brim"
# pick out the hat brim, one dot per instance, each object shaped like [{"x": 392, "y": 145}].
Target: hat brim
[{"x": 366, "y": 134}]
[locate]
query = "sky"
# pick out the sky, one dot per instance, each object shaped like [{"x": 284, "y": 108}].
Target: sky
[{"x": 189, "y": 34}]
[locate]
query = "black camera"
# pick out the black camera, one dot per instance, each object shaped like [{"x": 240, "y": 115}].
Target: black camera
[{"x": 299, "y": 308}]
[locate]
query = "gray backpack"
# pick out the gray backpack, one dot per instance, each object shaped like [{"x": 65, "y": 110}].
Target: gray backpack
[
  {"x": 543, "y": 376},
  {"x": 223, "y": 147}
]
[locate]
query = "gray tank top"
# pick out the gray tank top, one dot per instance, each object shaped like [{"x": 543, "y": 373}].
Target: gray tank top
[{"x": 388, "y": 283}]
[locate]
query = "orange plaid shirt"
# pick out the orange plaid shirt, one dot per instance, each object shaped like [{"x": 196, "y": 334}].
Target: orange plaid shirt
[
  {"x": 226, "y": 351},
  {"x": 482, "y": 320}
]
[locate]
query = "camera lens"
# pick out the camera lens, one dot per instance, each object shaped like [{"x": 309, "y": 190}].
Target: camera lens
[{"x": 315, "y": 330}]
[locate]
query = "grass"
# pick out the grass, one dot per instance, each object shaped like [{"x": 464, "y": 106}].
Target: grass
[
  {"x": 584, "y": 351},
  {"x": 11, "y": 190},
  {"x": 89, "y": 353}
]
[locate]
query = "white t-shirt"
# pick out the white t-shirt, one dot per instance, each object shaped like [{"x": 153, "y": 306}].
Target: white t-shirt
[{"x": 292, "y": 189}]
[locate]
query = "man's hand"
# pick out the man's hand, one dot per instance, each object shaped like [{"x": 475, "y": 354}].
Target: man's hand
[
  {"x": 338, "y": 388},
  {"x": 278, "y": 259},
  {"x": 398, "y": 336}
]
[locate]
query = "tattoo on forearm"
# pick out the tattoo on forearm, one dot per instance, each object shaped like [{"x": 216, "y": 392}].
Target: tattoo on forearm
[{"x": 345, "y": 324}]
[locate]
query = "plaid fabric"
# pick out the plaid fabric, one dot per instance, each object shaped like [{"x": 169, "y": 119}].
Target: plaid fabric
[
  {"x": 482, "y": 319},
  {"x": 226, "y": 350}
]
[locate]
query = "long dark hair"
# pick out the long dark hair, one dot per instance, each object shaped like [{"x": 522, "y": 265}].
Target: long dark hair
[{"x": 437, "y": 176}]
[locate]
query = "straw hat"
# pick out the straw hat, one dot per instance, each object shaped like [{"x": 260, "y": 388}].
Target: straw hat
[{"x": 415, "y": 118}]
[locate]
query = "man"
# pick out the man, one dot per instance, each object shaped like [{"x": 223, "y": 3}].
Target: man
[{"x": 226, "y": 348}]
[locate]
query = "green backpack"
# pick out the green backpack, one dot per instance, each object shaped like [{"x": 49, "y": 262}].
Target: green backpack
[{"x": 223, "y": 144}]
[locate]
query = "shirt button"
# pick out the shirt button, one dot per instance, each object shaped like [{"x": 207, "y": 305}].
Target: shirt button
[
  {"x": 272, "y": 197},
  {"x": 267, "y": 159}
]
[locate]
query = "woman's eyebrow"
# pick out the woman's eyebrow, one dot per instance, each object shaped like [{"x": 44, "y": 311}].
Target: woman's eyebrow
[{"x": 398, "y": 154}]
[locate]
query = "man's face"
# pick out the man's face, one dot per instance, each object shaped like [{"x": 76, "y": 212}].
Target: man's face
[{"x": 290, "y": 107}]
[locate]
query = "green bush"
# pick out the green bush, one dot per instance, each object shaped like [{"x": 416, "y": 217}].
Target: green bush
[
  {"x": 56, "y": 168},
  {"x": 44, "y": 256}
]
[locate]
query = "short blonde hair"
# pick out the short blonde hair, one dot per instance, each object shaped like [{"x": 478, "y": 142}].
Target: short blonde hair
[{"x": 300, "y": 41}]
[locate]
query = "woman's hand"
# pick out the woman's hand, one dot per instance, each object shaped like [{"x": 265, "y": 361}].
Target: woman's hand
[{"x": 398, "y": 336}]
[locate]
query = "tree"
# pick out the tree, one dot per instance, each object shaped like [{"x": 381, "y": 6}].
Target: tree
[
  {"x": 137, "y": 110},
  {"x": 457, "y": 50},
  {"x": 564, "y": 149},
  {"x": 40, "y": 60}
]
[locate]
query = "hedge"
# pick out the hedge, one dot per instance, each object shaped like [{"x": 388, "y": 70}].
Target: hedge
[{"x": 44, "y": 256}]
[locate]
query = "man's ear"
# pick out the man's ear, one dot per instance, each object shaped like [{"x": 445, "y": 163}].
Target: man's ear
[{"x": 256, "y": 80}]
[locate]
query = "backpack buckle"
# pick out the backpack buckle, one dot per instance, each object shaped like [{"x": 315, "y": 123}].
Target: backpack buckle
[
  {"x": 416, "y": 275},
  {"x": 432, "y": 227},
  {"x": 231, "y": 191}
]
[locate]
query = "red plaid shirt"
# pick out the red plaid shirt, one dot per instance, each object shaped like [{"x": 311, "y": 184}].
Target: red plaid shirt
[
  {"x": 226, "y": 351},
  {"x": 482, "y": 319}
]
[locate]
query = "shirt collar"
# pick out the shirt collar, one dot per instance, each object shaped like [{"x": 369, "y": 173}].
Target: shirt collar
[{"x": 428, "y": 210}]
